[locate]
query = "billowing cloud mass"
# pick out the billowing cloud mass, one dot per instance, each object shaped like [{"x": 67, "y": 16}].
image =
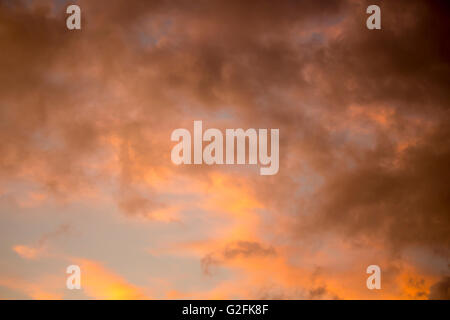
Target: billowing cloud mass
[
  {"x": 85, "y": 123},
  {"x": 440, "y": 290}
]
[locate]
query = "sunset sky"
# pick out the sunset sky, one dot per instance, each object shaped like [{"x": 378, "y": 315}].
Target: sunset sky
[{"x": 86, "y": 176}]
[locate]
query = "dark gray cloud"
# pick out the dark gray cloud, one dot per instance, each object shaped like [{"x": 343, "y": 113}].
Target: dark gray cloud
[
  {"x": 440, "y": 290},
  {"x": 237, "y": 249}
]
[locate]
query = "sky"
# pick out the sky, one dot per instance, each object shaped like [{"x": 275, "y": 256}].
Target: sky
[{"x": 86, "y": 176}]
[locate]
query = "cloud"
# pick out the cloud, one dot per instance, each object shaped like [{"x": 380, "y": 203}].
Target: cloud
[
  {"x": 238, "y": 249},
  {"x": 43, "y": 289},
  {"x": 28, "y": 252},
  {"x": 99, "y": 282},
  {"x": 363, "y": 119},
  {"x": 402, "y": 204},
  {"x": 440, "y": 290},
  {"x": 41, "y": 248}
]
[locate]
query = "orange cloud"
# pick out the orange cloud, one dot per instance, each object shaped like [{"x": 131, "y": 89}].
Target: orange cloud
[
  {"x": 45, "y": 288},
  {"x": 100, "y": 283},
  {"x": 27, "y": 252}
]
